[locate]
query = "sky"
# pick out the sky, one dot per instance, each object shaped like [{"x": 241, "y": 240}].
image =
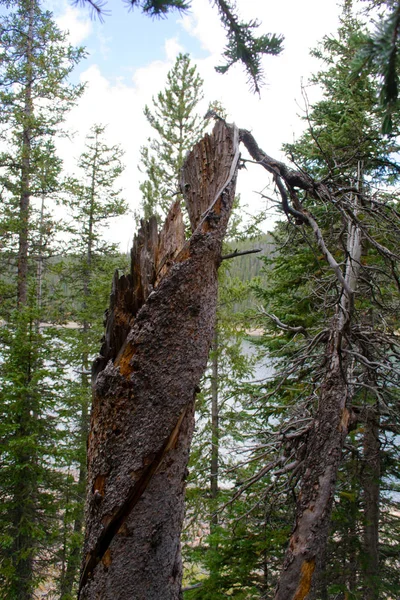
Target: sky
[{"x": 129, "y": 56}]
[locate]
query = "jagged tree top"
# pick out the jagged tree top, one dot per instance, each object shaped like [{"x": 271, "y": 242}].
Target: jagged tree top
[{"x": 242, "y": 43}]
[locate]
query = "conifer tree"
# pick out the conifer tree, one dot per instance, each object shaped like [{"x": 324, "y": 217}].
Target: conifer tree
[
  {"x": 93, "y": 201},
  {"x": 343, "y": 147},
  {"x": 380, "y": 51},
  {"x": 34, "y": 96},
  {"x": 178, "y": 126}
]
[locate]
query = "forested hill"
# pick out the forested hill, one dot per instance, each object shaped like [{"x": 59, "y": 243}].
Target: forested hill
[
  {"x": 248, "y": 266},
  {"x": 244, "y": 269}
]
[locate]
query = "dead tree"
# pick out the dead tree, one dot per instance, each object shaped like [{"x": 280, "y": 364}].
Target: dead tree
[{"x": 158, "y": 333}]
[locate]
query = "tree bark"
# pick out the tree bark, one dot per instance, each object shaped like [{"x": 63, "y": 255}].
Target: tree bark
[
  {"x": 159, "y": 330},
  {"x": 307, "y": 545},
  {"x": 371, "y": 488},
  {"x": 214, "y": 424},
  {"x": 26, "y": 166}
]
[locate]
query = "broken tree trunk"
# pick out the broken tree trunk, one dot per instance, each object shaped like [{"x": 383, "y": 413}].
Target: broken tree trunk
[{"x": 159, "y": 330}]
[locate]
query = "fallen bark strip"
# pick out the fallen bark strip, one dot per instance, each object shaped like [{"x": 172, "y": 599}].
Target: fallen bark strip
[{"x": 159, "y": 330}]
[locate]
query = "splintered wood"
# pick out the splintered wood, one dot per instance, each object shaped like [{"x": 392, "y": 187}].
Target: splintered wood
[{"x": 159, "y": 330}]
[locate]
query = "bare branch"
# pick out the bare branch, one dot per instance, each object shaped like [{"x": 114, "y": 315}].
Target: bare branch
[
  {"x": 242, "y": 253},
  {"x": 274, "y": 318}
]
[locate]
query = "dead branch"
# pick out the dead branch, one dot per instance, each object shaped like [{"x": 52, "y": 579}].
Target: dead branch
[{"x": 242, "y": 253}]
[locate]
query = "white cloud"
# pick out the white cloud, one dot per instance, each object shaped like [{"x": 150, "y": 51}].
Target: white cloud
[
  {"x": 104, "y": 43},
  {"x": 204, "y": 24},
  {"x": 273, "y": 118},
  {"x": 172, "y": 48},
  {"x": 119, "y": 106},
  {"x": 76, "y": 23}
]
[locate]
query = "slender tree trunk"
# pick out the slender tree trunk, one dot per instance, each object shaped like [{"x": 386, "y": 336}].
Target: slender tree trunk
[
  {"x": 159, "y": 331},
  {"x": 214, "y": 422},
  {"x": 352, "y": 536},
  {"x": 25, "y": 486},
  {"x": 307, "y": 543},
  {"x": 74, "y": 557},
  {"x": 370, "y": 483},
  {"x": 40, "y": 262},
  {"x": 22, "y": 270},
  {"x": 24, "y": 513}
]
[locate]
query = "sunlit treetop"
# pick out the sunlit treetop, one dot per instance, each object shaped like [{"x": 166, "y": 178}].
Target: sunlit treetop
[{"x": 242, "y": 43}]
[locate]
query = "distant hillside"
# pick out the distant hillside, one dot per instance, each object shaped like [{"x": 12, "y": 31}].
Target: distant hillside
[
  {"x": 246, "y": 268},
  {"x": 249, "y": 266}
]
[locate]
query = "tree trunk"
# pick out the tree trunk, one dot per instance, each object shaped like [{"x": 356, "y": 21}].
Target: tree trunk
[
  {"x": 214, "y": 423},
  {"x": 69, "y": 576},
  {"x": 24, "y": 544},
  {"x": 307, "y": 544},
  {"x": 159, "y": 331},
  {"x": 370, "y": 483},
  {"x": 26, "y": 152}
]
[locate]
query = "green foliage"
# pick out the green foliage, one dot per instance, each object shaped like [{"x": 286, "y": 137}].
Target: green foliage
[
  {"x": 344, "y": 126},
  {"x": 159, "y": 8},
  {"x": 178, "y": 127},
  {"x": 301, "y": 298},
  {"x": 222, "y": 419},
  {"x": 33, "y": 452},
  {"x": 153, "y": 8},
  {"x": 93, "y": 200},
  {"x": 243, "y": 46},
  {"x": 35, "y": 62},
  {"x": 379, "y": 53}
]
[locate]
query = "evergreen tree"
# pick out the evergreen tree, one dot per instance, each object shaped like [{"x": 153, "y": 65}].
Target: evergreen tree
[
  {"x": 344, "y": 148},
  {"x": 87, "y": 272},
  {"x": 380, "y": 52},
  {"x": 34, "y": 95},
  {"x": 178, "y": 127}
]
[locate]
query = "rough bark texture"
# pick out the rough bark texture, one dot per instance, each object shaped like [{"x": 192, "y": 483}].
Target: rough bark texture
[
  {"x": 307, "y": 543},
  {"x": 159, "y": 330}
]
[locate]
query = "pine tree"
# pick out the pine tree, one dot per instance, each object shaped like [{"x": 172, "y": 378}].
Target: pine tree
[
  {"x": 34, "y": 95},
  {"x": 344, "y": 149},
  {"x": 93, "y": 201},
  {"x": 178, "y": 127},
  {"x": 380, "y": 52}
]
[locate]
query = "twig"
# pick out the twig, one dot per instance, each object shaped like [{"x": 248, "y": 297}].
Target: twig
[{"x": 242, "y": 253}]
